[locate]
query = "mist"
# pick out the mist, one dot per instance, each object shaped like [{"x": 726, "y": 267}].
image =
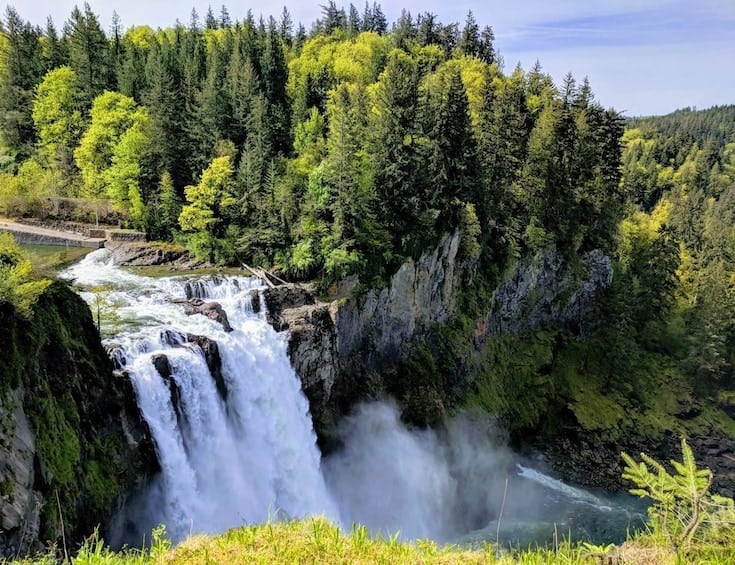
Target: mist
[{"x": 423, "y": 483}]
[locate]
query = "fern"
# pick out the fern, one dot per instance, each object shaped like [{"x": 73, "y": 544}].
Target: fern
[{"x": 681, "y": 500}]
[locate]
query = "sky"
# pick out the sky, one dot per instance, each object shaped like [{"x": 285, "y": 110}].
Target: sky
[{"x": 642, "y": 57}]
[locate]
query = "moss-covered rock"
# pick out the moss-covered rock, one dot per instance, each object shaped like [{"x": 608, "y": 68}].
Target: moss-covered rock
[{"x": 91, "y": 444}]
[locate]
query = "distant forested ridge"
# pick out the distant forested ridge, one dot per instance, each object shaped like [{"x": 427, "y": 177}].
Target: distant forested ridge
[
  {"x": 679, "y": 173},
  {"x": 342, "y": 149}
]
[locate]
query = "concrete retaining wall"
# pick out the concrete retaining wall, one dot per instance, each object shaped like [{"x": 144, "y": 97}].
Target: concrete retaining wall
[{"x": 26, "y": 237}]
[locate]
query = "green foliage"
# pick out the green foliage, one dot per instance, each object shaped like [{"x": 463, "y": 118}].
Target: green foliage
[
  {"x": 209, "y": 205},
  {"x": 25, "y": 193},
  {"x": 358, "y": 145},
  {"x": 111, "y": 117},
  {"x": 164, "y": 211},
  {"x": 88, "y": 52},
  {"x": 340, "y": 263},
  {"x": 514, "y": 381},
  {"x": 56, "y": 440},
  {"x": 57, "y": 116},
  {"x": 302, "y": 261},
  {"x": 18, "y": 284},
  {"x": 20, "y": 70},
  {"x": 684, "y": 513}
]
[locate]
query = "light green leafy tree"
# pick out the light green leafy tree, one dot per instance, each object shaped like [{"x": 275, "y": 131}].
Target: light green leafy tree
[
  {"x": 123, "y": 176},
  {"x": 57, "y": 115},
  {"x": 210, "y": 205},
  {"x": 111, "y": 116}
]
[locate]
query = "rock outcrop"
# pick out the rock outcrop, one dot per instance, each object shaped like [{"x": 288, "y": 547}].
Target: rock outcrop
[
  {"x": 342, "y": 349},
  {"x": 143, "y": 254},
  {"x": 353, "y": 348},
  {"x": 209, "y": 349},
  {"x": 539, "y": 291},
  {"x": 20, "y": 505},
  {"x": 345, "y": 349},
  {"x": 69, "y": 426},
  {"x": 211, "y": 310},
  {"x": 380, "y": 327}
]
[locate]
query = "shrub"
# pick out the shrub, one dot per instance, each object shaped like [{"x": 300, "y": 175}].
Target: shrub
[{"x": 684, "y": 513}]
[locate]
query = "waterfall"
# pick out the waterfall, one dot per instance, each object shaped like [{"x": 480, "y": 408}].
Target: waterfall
[
  {"x": 236, "y": 445},
  {"x": 234, "y": 453}
]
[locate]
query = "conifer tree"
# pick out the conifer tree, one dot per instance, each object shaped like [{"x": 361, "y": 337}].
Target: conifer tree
[
  {"x": 166, "y": 108},
  {"x": 469, "y": 41},
  {"x": 395, "y": 154},
  {"x": 210, "y": 22},
  {"x": 88, "y": 52},
  {"x": 53, "y": 49},
  {"x": 274, "y": 76},
  {"x": 354, "y": 22},
  {"x": 285, "y": 27},
  {"x": 20, "y": 71},
  {"x": 454, "y": 163},
  {"x": 427, "y": 29}
]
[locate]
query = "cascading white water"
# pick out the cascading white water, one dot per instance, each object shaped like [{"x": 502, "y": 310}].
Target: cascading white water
[
  {"x": 239, "y": 447},
  {"x": 224, "y": 462}
]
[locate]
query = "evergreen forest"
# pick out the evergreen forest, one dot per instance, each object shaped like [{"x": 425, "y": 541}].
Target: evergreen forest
[{"x": 346, "y": 148}]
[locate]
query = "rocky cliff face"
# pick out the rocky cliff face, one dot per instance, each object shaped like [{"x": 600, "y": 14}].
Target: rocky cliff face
[
  {"x": 69, "y": 427},
  {"x": 20, "y": 506},
  {"x": 347, "y": 350},
  {"x": 342, "y": 349},
  {"x": 353, "y": 348},
  {"x": 540, "y": 291},
  {"x": 379, "y": 328}
]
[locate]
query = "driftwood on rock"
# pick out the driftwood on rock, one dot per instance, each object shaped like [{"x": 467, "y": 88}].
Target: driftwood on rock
[
  {"x": 264, "y": 275},
  {"x": 212, "y": 310}
]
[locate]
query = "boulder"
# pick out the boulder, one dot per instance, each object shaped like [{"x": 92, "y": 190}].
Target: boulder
[
  {"x": 214, "y": 361},
  {"x": 255, "y": 300},
  {"x": 212, "y": 310}
]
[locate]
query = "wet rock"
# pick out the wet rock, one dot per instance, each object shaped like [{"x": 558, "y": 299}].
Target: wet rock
[
  {"x": 195, "y": 289},
  {"x": 312, "y": 348},
  {"x": 117, "y": 355},
  {"x": 213, "y": 358},
  {"x": 160, "y": 362},
  {"x": 212, "y": 310},
  {"x": 209, "y": 348},
  {"x": 282, "y": 298},
  {"x": 255, "y": 300},
  {"x": 162, "y": 365}
]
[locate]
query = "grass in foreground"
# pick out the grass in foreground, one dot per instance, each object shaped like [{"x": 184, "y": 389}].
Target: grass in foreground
[{"x": 315, "y": 540}]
